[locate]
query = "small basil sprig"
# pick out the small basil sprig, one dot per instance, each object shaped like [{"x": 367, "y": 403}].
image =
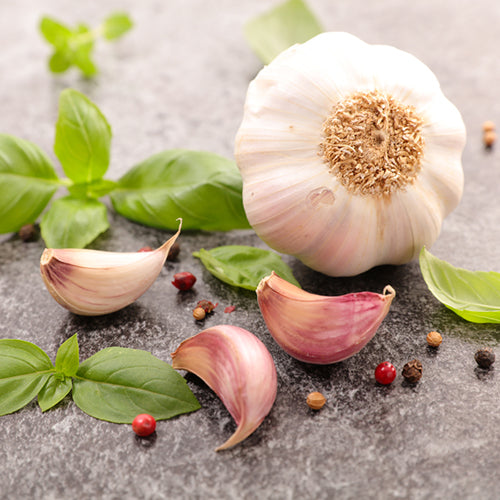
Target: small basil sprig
[
  {"x": 82, "y": 144},
  {"x": 59, "y": 384},
  {"x": 244, "y": 266},
  {"x": 274, "y": 31},
  {"x": 473, "y": 295},
  {"x": 116, "y": 384},
  {"x": 74, "y": 47},
  {"x": 203, "y": 189}
]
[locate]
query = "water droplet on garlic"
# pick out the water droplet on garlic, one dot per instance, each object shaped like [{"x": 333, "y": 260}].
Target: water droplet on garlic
[{"x": 321, "y": 196}]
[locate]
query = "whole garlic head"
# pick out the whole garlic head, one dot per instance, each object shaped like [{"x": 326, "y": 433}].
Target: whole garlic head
[{"x": 350, "y": 154}]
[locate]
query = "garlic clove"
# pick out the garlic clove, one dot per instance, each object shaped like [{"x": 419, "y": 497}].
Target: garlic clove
[
  {"x": 319, "y": 329},
  {"x": 95, "y": 282},
  {"x": 237, "y": 366}
]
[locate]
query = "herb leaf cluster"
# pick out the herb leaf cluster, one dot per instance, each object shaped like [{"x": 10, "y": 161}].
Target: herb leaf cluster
[
  {"x": 202, "y": 188},
  {"x": 75, "y": 47},
  {"x": 115, "y": 384}
]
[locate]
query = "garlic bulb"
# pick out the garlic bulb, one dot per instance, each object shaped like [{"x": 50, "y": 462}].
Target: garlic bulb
[
  {"x": 95, "y": 282},
  {"x": 320, "y": 329},
  {"x": 350, "y": 154},
  {"x": 238, "y": 367}
]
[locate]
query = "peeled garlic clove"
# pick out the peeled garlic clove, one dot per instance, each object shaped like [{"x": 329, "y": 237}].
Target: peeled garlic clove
[
  {"x": 237, "y": 366},
  {"x": 319, "y": 329},
  {"x": 94, "y": 282}
]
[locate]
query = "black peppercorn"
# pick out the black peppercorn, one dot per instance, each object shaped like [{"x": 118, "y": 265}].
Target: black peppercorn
[
  {"x": 27, "y": 232},
  {"x": 173, "y": 252},
  {"x": 412, "y": 371},
  {"x": 485, "y": 357}
]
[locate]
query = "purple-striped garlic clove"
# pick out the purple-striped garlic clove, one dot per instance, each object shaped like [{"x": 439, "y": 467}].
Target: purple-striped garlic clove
[
  {"x": 319, "y": 329},
  {"x": 95, "y": 282},
  {"x": 237, "y": 366}
]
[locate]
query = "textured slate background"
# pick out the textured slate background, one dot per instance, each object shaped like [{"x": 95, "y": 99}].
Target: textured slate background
[{"x": 179, "y": 80}]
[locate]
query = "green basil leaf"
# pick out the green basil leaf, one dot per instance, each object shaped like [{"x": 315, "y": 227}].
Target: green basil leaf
[
  {"x": 83, "y": 137},
  {"x": 473, "y": 295},
  {"x": 27, "y": 182},
  {"x": 116, "y": 25},
  {"x": 24, "y": 369},
  {"x": 204, "y": 189},
  {"x": 274, "y": 31},
  {"x": 117, "y": 384},
  {"x": 94, "y": 189},
  {"x": 59, "y": 62},
  {"x": 83, "y": 38},
  {"x": 82, "y": 59},
  {"x": 244, "y": 266},
  {"x": 68, "y": 358},
  {"x": 54, "y": 391},
  {"x": 83, "y": 47},
  {"x": 73, "y": 222},
  {"x": 54, "y": 32}
]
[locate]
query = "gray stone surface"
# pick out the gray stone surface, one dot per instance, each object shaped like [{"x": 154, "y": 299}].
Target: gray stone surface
[{"x": 179, "y": 80}]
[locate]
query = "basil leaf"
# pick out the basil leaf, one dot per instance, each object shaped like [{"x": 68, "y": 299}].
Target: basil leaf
[
  {"x": 60, "y": 384},
  {"x": 83, "y": 42},
  {"x": 94, "y": 189},
  {"x": 117, "y": 384},
  {"x": 24, "y": 369},
  {"x": 27, "y": 182},
  {"x": 54, "y": 32},
  {"x": 83, "y": 137},
  {"x": 274, "y": 31},
  {"x": 54, "y": 391},
  {"x": 73, "y": 222},
  {"x": 203, "y": 189},
  {"x": 59, "y": 62},
  {"x": 473, "y": 295},
  {"x": 116, "y": 25},
  {"x": 244, "y": 266},
  {"x": 67, "y": 358},
  {"x": 82, "y": 59}
]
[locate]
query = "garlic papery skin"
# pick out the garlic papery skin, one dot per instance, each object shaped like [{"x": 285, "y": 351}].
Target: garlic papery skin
[
  {"x": 350, "y": 155},
  {"x": 319, "y": 329},
  {"x": 95, "y": 282},
  {"x": 237, "y": 366}
]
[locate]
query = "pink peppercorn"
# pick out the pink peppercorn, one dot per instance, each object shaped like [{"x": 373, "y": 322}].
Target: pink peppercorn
[{"x": 184, "y": 281}]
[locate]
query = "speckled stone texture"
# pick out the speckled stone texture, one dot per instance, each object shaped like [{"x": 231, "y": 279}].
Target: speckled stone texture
[{"x": 179, "y": 80}]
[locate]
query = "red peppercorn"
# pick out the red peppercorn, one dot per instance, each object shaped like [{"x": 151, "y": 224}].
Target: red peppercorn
[
  {"x": 184, "y": 281},
  {"x": 145, "y": 249},
  {"x": 144, "y": 425},
  {"x": 385, "y": 373},
  {"x": 207, "y": 306}
]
